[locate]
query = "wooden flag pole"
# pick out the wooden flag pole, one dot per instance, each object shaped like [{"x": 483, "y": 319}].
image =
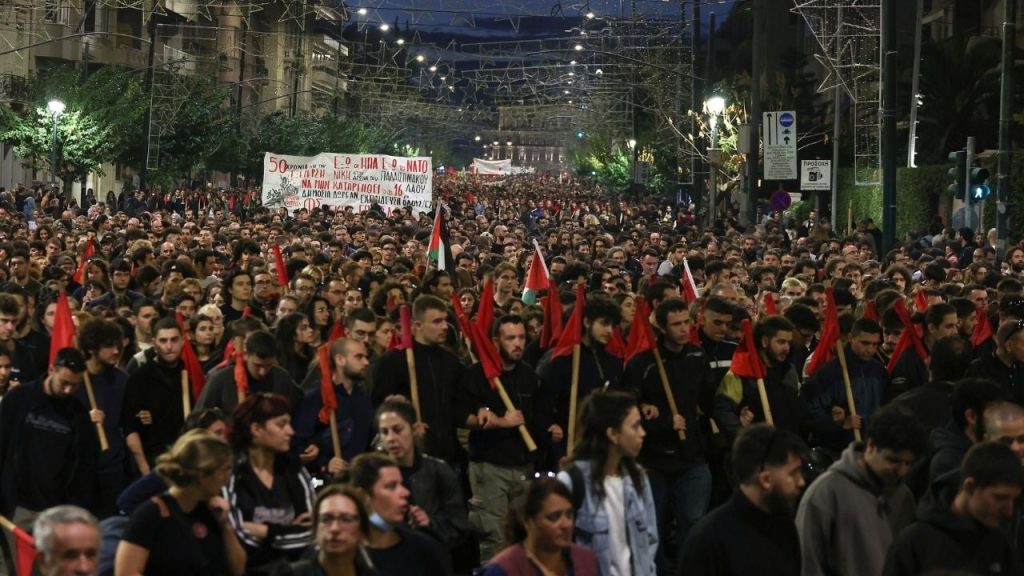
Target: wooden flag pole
[
  {"x": 7, "y": 524},
  {"x": 668, "y": 389},
  {"x": 531, "y": 446},
  {"x": 573, "y": 390},
  {"x": 414, "y": 388},
  {"x": 186, "y": 395},
  {"x": 104, "y": 445},
  {"x": 335, "y": 438},
  {"x": 841, "y": 352},
  {"x": 764, "y": 402},
  {"x": 239, "y": 342}
]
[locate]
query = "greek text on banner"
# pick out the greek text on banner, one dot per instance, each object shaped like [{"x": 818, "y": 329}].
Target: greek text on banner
[{"x": 356, "y": 180}]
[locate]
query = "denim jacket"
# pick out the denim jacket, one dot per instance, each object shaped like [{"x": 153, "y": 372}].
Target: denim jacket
[{"x": 641, "y": 524}]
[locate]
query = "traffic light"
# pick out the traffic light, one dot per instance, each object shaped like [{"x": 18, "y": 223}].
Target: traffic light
[
  {"x": 978, "y": 190},
  {"x": 958, "y": 172}
]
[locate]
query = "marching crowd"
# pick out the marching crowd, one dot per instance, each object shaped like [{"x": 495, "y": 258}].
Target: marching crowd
[{"x": 534, "y": 378}]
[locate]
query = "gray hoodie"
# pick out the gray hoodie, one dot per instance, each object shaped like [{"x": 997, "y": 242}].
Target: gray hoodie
[{"x": 847, "y": 519}]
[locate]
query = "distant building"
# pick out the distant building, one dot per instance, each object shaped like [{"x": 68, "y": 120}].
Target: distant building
[{"x": 537, "y": 136}]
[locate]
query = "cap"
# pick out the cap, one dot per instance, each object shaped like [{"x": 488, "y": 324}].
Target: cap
[{"x": 71, "y": 359}]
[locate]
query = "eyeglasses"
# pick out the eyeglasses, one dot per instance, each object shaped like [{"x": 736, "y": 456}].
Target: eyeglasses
[{"x": 328, "y": 519}]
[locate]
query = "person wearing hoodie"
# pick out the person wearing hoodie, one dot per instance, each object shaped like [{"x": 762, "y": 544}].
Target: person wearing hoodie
[
  {"x": 828, "y": 415},
  {"x": 958, "y": 530},
  {"x": 861, "y": 494}
]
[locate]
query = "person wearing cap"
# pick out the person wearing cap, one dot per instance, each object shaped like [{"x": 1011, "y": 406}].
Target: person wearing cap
[{"x": 48, "y": 443}]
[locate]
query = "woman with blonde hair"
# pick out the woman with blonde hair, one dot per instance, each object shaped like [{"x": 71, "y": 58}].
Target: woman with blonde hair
[{"x": 186, "y": 530}]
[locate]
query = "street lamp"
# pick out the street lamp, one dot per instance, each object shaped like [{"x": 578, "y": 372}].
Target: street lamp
[
  {"x": 56, "y": 108},
  {"x": 714, "y": 106}
]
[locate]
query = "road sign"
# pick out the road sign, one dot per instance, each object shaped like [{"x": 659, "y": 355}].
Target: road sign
[
  {"x": 815, "y": 175},
  {"x": 780, "y": 200},
  {"x": 641, "y": 173},
  {"x": 779, "y": 138}
]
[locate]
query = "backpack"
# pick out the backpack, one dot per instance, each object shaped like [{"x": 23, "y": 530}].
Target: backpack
[{"x": 112, "y": 530}]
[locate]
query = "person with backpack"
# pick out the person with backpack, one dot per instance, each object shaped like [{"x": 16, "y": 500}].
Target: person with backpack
[
  {"x": 616, "y": 517},
  {"x": 186, "y": 530}
]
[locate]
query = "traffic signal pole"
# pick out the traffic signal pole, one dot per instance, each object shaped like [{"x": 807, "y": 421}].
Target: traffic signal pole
[
  {"x": 1005, "y": 120},
  {"x": 968, "y": 204}
]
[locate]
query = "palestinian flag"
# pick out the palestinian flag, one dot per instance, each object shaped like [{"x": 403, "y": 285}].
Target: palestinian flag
[
  {"x": 440, "y": 248},
  {"x": 537, "y": 279}
]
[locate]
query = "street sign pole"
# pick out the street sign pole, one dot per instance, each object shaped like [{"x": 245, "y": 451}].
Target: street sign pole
[{"x": 968, "y": 206}]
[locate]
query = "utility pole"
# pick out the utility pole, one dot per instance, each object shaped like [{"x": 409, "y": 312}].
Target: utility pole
[
  {"x": 696, "y": 97},
  {"x": 147, "y": 122},
  {"x": 748, "y": 204},
  {"x": 1005, "y": 120},
  {"x": 888, "y": 125},
  {"x": 968, "y": 205},
  {"x": 915, "y": 86}
]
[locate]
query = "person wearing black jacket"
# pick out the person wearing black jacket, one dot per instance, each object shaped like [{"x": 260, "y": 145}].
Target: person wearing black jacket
[
  {"x": 911, "y": 370},
  {"x": 679, "y": 475},
  {"x": 270, "y": 493},
  {"x": 437, "y": 374},
  {"x": 48, "y": 446},
  {"x": 951, "y": 358},
  {"x": 1005, "y": 364},
  {"x": 154, "y": 413},
  {"x": 958, "y": 527},
  {"x": 754, "y": 532},
  {"x": 498, "y": 457},
  {"x": 262, "y": 375}
]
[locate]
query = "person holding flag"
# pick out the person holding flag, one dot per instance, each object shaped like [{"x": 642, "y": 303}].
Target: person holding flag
[
  {"x": 536, "y": 277},
  {"x": 909, "y": 368},
  {"x": 761, "y": 385},
  {"x": 680, "y": 476},
  {"x": 439, "y": 250},
  {"x": 48, "y": 446},
  {"x": 258, "y": 372},
  {"x": 498, "y": 456},
  {"x": 99, "y": 340},
  {"x": 585, "y": 335},
  {"x": 353, "y": 411}
]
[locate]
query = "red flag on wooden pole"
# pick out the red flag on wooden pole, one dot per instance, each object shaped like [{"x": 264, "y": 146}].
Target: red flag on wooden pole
[
  {"x": 746, "y": 360},
  {"x": 63, "y": 335},
  {"x": 485, "y": 312},
  {"x": 641, "y": 337},
  {"x": 572, "y": 333},
  {"x": 282, "y": 271},
  {"x": 552, "y": 327},
  {"x": 769, "y": 304},
  {"x": 90, "y": 249},
  {"x": 830, "y": 334},
  {"x": 327, "y": 396},
  {"x": 196, "y": 376},
  {"x": 909, "y": 339},
  {"x": 982, "y": 328}
]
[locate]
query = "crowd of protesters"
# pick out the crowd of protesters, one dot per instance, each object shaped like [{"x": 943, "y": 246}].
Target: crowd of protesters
[{"x": 807, "y": 403}]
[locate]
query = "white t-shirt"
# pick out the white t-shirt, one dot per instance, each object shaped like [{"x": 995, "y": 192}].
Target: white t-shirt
[{"x": 615, "y": 507}]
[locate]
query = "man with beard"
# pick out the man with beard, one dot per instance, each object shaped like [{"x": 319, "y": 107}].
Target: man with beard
[
  {"x": 911, "y": 370},
  {"x": 971, "y": 398},
  {"x": 597, "y": 367},
  {"x": 354, "y": 412},
  {"x": 753, "y": 532},
  {"x": 737, "y": 402},
  {"x": 498, "y": 458},
  {"x": 861, "y": 494},
  {"x": 958, "y": 530},
  {"x": 100, "y": 340}
]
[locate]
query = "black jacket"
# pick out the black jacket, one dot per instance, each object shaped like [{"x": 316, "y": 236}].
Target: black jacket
[
  {"x": 1010, "y": 378},
  {"x": 739, "y": 539},
  {"x": 26, "y": 409},
  {"x": 221, "y": 391},
  {"x": 692, "y": 386},
  {"x": 909, "y": 372},
  {"x": 941, "y": 541},
  {"x": 929, "y": 403},
  {"x": 598, "y": 369},
  {"x": 434, "y": 487}
]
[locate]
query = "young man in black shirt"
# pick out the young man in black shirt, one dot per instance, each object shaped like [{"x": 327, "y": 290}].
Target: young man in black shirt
[{"x": 48, "y": 445}]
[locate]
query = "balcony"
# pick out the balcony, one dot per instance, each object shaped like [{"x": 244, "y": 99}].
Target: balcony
[{"x": 13, "y": 88}]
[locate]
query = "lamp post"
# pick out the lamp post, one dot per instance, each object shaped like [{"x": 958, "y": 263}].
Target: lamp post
[
  {"x": 56, "y": 108},
  {"x": 714, "y": 107}
]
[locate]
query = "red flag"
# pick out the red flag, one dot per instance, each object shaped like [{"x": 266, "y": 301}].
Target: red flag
[
  {"x": 829, "y": 335},
  {"x": 229, "y": 354},
  {"x": 488, "y": 356},
  {"x": 572, "y": 334},
  {"x": 327, "y": 396},
  {"x": 391, "y": 304},
  {"x": 909, "y": 338},
  {"x": 485, "y": 313},
  {"x": 769, "y": 304},
  {"x": 63, "y": 335},
  {"x": 920, "y": 300},
  {"x": 641, "y": 337},
  {"x": 337, "y": 331},
  {"x": 552, "y": 305},
  {"x": 460, "y": 316},
  {"x": 282, "y": 271},
  {"x": 871, "y": 311},
  {"x": 247, "y": 311},
  {"x": 405, "y": 321},
  {"x": 241, "y": 375},
  {"x": 616, "y": 347},
  {"x": 746, "y": 360},
  {"x": 982, "y": 328},
  {"x": 90, "y": 249},
  {"x": 25, "y": 552},
  {"x": 687, "y": 287},
  {"x": 196, "y": 376}
]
